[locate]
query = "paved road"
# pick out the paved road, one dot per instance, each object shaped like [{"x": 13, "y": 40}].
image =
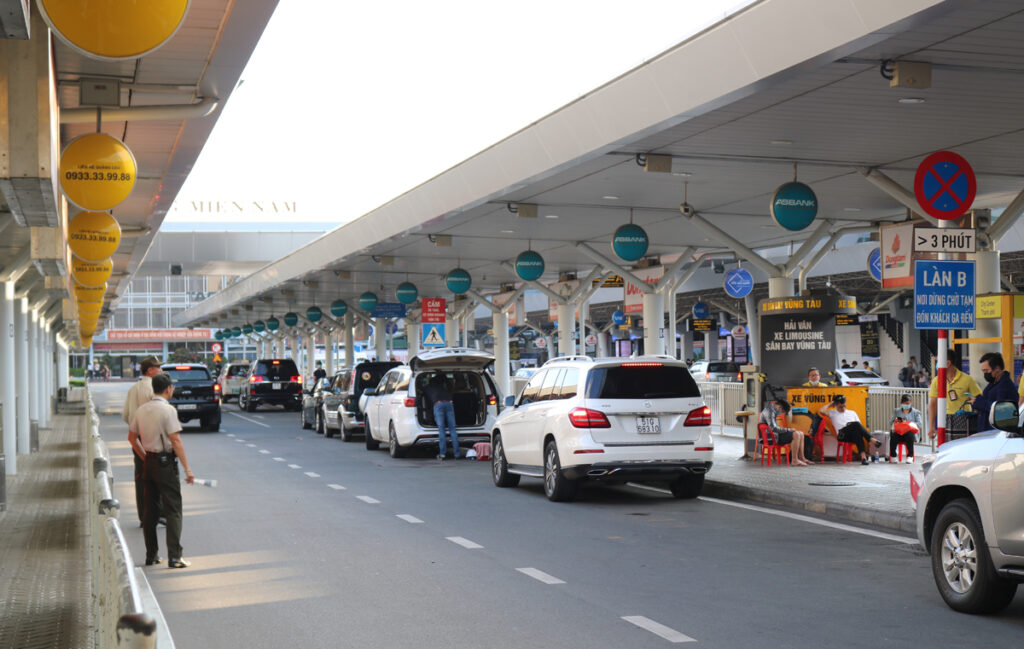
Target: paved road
[{"x": 313, "y": 542}]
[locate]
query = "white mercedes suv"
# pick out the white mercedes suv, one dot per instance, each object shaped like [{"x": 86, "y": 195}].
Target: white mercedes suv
[{"x": 609, "y": 419}]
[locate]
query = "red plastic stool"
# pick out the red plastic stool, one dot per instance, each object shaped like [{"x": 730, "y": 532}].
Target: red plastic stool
[
  {"x": 844, "y": 451},
  {"x": 900, "y": 447}
]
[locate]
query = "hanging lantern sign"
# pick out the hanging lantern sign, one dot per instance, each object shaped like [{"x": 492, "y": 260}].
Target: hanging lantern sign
[
  {"x": 219, "y": 335},
  {"x": 93, "y": 236},
  {"x": 291, "y": 319},
  {"x": 236, "y": 332},
  {"x": 368, "y": 301},
  {"x": 273, "y": 324},
  {"x": 407, "y": 293},
  {"x": 458, "y": 281},
  {"x": 97, "y": 172},
  {"x": 247, "y": 329},
  {"x": 314, "y": 314},
  {"x": 114, "y": 29},
  {"x": 91, "y": 274},
  {"x": 794, "y": 206},
  {"x": 89, "y": 293},
  {"x": 529, "y": 265},
  {"x": 630, "y": 242},
  {"x": 339, "y": 308},
  {"x": 92, "y": 308},
  {"x": 259, "y": 326}
]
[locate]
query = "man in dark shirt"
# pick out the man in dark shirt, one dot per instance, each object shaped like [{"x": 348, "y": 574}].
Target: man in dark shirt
[
  {"x": 319, "y": 372},
  {"x": 1000, "y": 387},
  {"x": 444, "y": 414}
]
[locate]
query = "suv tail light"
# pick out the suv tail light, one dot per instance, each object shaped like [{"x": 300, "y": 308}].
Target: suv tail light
[
  {"x": 296, "y": 379},
  {"x": 587, "y": 418},
  {"x": 698, "y": 417},
  {"x": 410, "y": 402},
  {"x": 216, "y": 387},
  {"x": 492, "y": 400},
  {"x": 739, "y": 376},
  {"x": 255, "y": 378},
  {"x": 642, "y": 364}
]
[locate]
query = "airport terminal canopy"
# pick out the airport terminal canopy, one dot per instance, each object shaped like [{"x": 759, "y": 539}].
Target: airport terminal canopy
[{"x": 846, "y": 97}]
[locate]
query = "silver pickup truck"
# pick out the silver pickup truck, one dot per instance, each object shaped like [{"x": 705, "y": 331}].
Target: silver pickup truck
[{"x": 970, "y": 514}]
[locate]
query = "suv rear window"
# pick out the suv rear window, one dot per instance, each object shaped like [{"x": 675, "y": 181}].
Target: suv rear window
[
  {"x": 189, "y": 374},
  {"x": 283, "y": 369},
  {"x": 368, "y": 375},
  {"x": 660, "y": 382},
  {"x": 237, "y": 370},
  {"x": 729, "y": 368}
]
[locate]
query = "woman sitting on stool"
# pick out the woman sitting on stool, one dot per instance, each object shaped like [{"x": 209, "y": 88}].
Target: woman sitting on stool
[
  {"x": 905, "y": 425},
  {"x": 784, "y": 436}
]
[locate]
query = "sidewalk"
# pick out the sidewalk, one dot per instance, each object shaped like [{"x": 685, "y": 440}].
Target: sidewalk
[{"x": 877, "y": 495}]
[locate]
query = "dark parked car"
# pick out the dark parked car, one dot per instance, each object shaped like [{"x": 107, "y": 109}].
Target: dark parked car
[
  {"x": 340, "y": 406},
  {"x": 273, "y": 381},
  {"x": 196, "y": 394}
]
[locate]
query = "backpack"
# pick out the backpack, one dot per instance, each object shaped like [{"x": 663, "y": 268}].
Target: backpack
[{"x": 904, "y": 374}]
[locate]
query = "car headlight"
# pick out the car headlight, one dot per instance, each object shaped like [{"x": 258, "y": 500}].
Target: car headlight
[{"x": 927, "y": 461}]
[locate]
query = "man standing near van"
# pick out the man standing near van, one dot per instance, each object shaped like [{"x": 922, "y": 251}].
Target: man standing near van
[
  {"x": 444, "y": 414},
  {"x": 140, "y": 393}
]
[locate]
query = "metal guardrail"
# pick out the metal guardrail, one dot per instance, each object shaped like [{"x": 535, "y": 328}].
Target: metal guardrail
[
  {"x": 120, "y": 619},
  {"x": 723, "y": 399}
]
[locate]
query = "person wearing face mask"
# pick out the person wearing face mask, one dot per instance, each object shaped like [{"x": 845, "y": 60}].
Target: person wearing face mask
[
  {"x": 906, "y": 423},
  {"x": 999, "y": 387},
  {"x": 960, "y": 388}
]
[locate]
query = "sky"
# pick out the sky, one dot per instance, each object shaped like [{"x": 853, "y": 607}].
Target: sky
[{"x": 346, "y": 105}]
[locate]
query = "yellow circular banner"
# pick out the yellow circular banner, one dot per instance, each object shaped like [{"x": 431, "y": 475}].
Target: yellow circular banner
[
  {"x": 91, "y": 274},
  {"x": 90, "y": 308},
  {"x": 84, "y": 341},
  {"x": 114, "y": 29},
  {"x": 89, "y": 293},
  {"x": 93, "y": 236},
  {"x": 97, "y": 172}
]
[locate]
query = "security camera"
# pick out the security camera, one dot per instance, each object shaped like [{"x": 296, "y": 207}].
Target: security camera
[{"x": 687, "y": 210}]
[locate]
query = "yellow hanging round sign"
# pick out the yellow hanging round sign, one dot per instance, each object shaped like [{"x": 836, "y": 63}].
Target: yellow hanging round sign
[
  {"x": 114, "y": 29},
  {"x": 93, "y": 236},
  {"x": 90, "y": 308},
  {"x": 89, "y": 293},
  {"x": 85, "y": 342},
  {"x": 91, "y": 274},
  {"x": 97, "y": 172}
]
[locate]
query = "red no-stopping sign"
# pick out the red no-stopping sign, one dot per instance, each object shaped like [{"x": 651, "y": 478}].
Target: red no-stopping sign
[{"x": 945, "y": 186}]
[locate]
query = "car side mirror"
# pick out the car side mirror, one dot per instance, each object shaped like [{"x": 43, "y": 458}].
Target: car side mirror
[
  {"x": 369, "y": 392},
  {"x": 510, "y": 401},
  {"x": 1004, "y": 416}
]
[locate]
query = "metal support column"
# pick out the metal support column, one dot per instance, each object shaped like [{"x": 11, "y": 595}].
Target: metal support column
[
  {"x": 33, "y": 375},
  {"x": 566, "y": 324},
  {"x": 780, "y": 287},
  {"x": 380, "y": 339},
  {"x": 7, "y": 367},
  {"x": 310, "y": 355},
  {"x": 670, "y": 331},
  {"x": 499, "y": 322},
  {"x": 412, "y": 334},
  {"x": 350, "y": 340},
  {"x": 654, "y": 323},
  {"x": 329, "y": 353},
  {"x": 754, "y": 336},
  {"x": 41, "y": 391},
  {"x": 22, "y": 373}
]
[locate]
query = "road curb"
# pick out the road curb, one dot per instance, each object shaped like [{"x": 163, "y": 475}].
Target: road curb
[{"x": 887, "y": 521}]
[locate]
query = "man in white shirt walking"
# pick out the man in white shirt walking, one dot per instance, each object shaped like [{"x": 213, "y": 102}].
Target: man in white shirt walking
[
  {"x": 140, "y": 393},
  {"x": 155, "y": 432}
]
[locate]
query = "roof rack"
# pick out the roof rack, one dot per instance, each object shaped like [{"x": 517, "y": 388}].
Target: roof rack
[{"x": 569, "y": 358}]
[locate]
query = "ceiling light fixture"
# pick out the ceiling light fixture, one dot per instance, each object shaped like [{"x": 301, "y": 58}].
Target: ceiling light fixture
[
  {"x": 851, "y": 209},
  {"x": 782, "y": 142},
  {"x": 911, "y": 100},
  {"x": 508, "y": 231},
  {"x": 609, "y": 197},
  {"x": 551, "y": 216},
  {"x": 682, "y": 174}
]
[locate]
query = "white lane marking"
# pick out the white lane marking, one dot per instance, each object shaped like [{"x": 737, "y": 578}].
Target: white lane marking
[
  {"x": 466, "y": 543},
  {"x": 796, "y": 517},
  {"x": 540, "y": 575},
  {"x": 312, "y": 475},
  {"x": 231, "y": 434},
  {"x": 240, "y": 441},
  {"x": 294, "y": 466},
  {"x": 336, "y": 487},
  {"x": 368, "y": 500},
  {"x": 251, "y": 445},
  {"x": 279, "y": 459},
  {"x": 657, "y": 629},
  {"x": 264, "y": 451},
  {"x": 258, "y": 416},
  {"x": 409, "y": 518},
  {"x": 250, "y": 420}
]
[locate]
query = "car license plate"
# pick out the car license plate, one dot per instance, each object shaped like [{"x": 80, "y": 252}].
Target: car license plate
[
  {"x": 186, "y": 406},
  {"x": 648, "y": 425},
  {"x": 275, "y": 386}
]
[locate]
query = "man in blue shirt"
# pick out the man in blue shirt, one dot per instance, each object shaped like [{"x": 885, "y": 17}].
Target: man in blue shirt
[{"x": 1000, "y": 387}]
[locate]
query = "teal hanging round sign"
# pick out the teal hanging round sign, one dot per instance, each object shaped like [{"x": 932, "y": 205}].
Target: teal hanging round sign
[
  {"x": 368, "y": 301},
  {"x": 529, "y": 265},
  {"x": 259, "y": 326},
  {"x": 247, "y": 329},
  {"x": 794, "y": 206},
  {"x": 339, "y": 308},
  {"x": 273, "y": 324},
  {"x": 407, "y": 293},
  {"x": 458, "y": 281},
  {"x": 291, "y": 319},
  {"x": 313, "y": 314},
  {"x": 236, "y": 332},
  {"x": 219, "y": 335},
  {"x": 630, "y": 242}
]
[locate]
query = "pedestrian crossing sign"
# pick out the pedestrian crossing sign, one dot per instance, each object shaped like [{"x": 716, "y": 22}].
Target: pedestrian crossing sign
[{"x": 433, "y": 334}]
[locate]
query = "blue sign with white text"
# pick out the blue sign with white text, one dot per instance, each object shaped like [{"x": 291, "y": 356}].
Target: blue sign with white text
[
  {"x": 738, "y": 283},
  {"x": 388, "y": 310},
  {"x": 944, "y": 294},
  {"x": 875, "y": 264},
  {"x": 701, "y": 310}
]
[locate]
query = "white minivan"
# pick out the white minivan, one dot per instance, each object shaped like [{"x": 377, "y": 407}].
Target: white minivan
[
  {"x": 611, "y": 420},
  {"x": 397, "y": 412}
]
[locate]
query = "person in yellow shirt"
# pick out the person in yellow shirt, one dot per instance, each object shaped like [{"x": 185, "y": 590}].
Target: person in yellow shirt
[
  {"x": 814, "y": 379},
  {"x": 960, "y": 388}
]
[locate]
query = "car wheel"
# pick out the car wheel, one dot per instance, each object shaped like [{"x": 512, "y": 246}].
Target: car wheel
[
  {"x": 687, "y": 486},
  {"x": 249, "y": 405},
  {"x": 961, "y": 563},
  {"x": 499, "y": 467},
  {"x": 371, "y": 443},
  {"x": 321, "y": 425},
  {"x": 345, "y": 432},
  {"x": 557, "y": 487},
  {"x": 394, "y": 448},
  {"x": 241, "y": 402}
]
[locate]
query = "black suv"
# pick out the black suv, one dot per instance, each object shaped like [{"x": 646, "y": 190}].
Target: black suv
[
  {"x": 196, "y": 394},
  {"x": 272, "y": 381}
]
